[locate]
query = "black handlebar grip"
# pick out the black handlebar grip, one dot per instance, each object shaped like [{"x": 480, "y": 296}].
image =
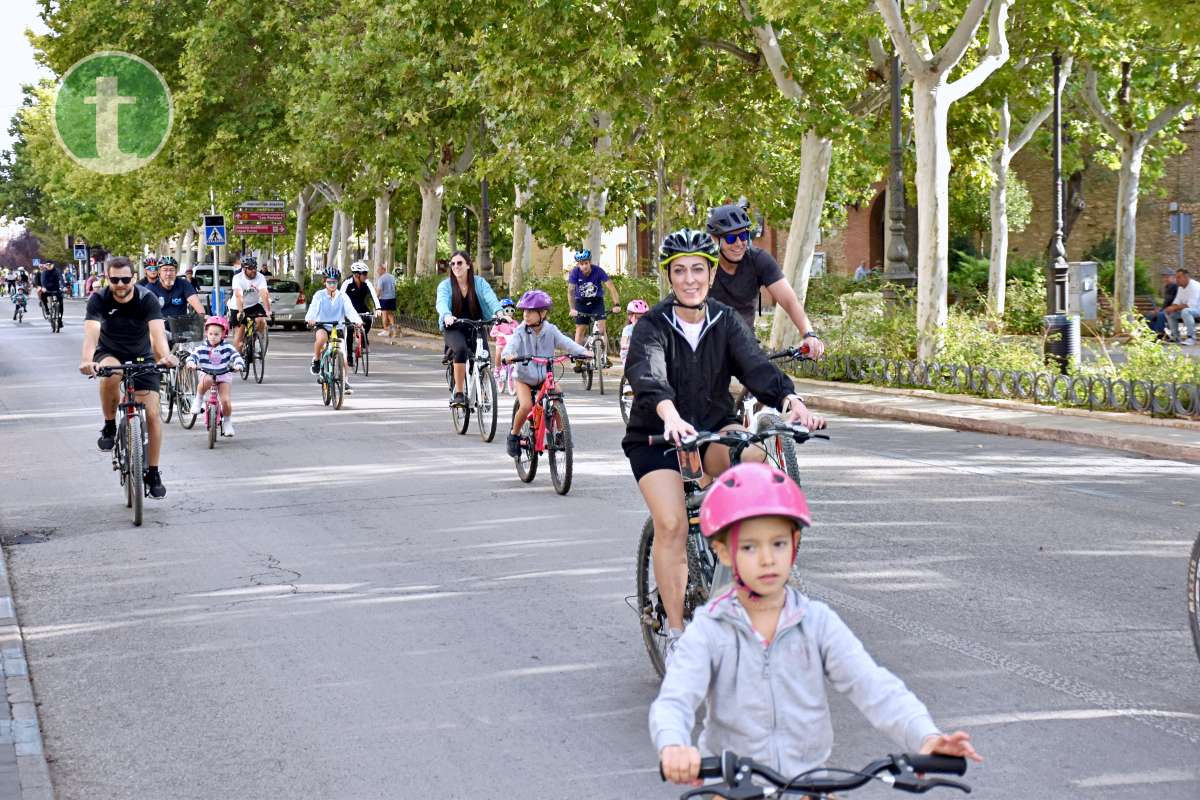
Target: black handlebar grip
[
  {"x": 710, "y": 767},
  {"x": 946, "y": 765}
]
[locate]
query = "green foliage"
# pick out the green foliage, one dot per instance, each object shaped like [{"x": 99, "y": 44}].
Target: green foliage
[
  {"x": 1143, "y": 280},
  {"x": 1025, "y": 299}
]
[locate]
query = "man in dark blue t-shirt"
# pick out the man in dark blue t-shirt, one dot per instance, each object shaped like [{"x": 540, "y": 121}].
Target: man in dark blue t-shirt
[
  {"x": 176, "y": 294},
  {"x": 585, "y": 295}
]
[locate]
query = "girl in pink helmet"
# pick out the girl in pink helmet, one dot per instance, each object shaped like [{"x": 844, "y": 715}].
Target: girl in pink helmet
[
  {"x": 759, "y": 656},
  {"x": 635, "y": 309},
  {"x": 215, "y": 353},
  {"x": 535, "y": 336}
]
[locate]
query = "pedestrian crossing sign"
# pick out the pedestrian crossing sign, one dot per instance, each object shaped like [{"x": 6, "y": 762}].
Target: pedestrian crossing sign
[{"x": 214, "y": 230}]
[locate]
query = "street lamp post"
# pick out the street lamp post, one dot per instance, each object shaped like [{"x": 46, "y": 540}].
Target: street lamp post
[
  {"x": 1062, "y": 340},
  {"x": 896, "y": 269}
]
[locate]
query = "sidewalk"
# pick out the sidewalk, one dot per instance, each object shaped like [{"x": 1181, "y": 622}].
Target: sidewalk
[
  {"x": 1131, "y": 433},
  {"x": 24, "y": 774}
]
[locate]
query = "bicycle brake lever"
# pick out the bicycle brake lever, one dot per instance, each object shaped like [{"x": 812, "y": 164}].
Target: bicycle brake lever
[
  {"x": 824, "y": 436},
  {"x": 931, "y": 783}
]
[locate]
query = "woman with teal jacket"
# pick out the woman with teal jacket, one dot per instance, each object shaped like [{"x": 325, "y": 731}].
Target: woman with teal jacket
[{"x": 463, "y": 296}]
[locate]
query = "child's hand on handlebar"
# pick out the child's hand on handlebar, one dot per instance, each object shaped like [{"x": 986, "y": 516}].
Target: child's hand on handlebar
[
  {"x": 680, "y": 764},
  {"x": 954, "y": 744}
]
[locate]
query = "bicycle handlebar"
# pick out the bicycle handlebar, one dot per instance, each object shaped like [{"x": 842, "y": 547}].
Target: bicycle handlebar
[
  {"x": 215, "y": 371},
  {"x": 545, "y": 361},
  {"x": 739, "y": 437},
  {"x": 903, "y": 772},
  {"x": 131, "y": 368},
  {"x": 793, "y": 353}
]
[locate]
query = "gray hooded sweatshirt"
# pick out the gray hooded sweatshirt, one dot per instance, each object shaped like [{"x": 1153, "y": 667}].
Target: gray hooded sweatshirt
[
  {"x": 524, "y": 342},
  {"x": 768, "y": 702}
]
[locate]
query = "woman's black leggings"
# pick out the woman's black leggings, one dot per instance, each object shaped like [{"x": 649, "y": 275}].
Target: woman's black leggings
[{"x": 460, "y": 343}]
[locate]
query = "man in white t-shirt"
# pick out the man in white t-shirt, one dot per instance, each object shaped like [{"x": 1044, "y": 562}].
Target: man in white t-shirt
[
  {"x": 250, "y": 299},
  {"x": 1186, "y": 307}
]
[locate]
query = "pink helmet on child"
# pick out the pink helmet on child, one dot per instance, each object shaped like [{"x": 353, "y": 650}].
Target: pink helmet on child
[
  {"x": 218, "y": 321},
  {"x": 637, "y": 307},
  {"x": 752, "y": 490}
]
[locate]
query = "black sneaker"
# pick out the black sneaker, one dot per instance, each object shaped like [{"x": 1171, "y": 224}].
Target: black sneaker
[
  {"x": 459, "y": 400},
  {"x": 314, "y": 367},
  {"x": 514, "y": 446},
  {"x": 108, "y": 438},
  {"x": 154, "y": 484}
]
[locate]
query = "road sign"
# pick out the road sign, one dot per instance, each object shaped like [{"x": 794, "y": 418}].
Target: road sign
[
  {"x": 214, "y": 230},
  {"x": 1181, "y": 224},
  {"x": 240, "y": 216},
  {"x": 81, "y": 252},
  {"x": 37, "y": 262},
  {"x": 272, "y": 204},
  {"x": 254, "y": 229}
]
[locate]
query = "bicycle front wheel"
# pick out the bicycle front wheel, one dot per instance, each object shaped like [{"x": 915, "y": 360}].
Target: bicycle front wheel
[
  {"x": 652, "y": 614},
  {"x": 527, "y": 460},
  {"x": 625, "y": 398},
  {"x": 185, "y": 398},
  {"x": 166, "y": 397},
  {"x": 137, "y": 467},
  {"x": 1193, "y": 600},
  {"x": 247, "y": 354},
  {"x": 259, "y": 350},
  {"x": 366, "y": 355},
  {"x": 559, "y": 446},
  {"x": 781, "y": 450},
  {"x": 485, "y": 409},
  {"x": 599, "y": 357},
  {"x": 357, "y": 349},
  {"x": 337, "y": 386}
]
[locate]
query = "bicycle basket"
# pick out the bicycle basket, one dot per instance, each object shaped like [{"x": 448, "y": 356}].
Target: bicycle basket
[{"x": 188, "y": 328}]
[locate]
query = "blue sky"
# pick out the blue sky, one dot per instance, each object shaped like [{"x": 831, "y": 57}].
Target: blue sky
[{"x": 16, "y": 59}]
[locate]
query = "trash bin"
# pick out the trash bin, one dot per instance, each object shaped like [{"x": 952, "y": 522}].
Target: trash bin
[
  {"x": 1082, "y": 289},
  {"x": 1062, "y": 340}
]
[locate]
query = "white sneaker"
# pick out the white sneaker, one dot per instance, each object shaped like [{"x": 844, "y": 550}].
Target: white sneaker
[
  {"x": 197, "y": 404},
  {"x": 1188, "y": 342},
  {"x": 347, "y": 388},
  {"x": 227, "y": 428}
]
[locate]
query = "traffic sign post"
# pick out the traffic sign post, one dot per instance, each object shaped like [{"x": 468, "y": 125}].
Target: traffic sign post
[
  {"x": 81, "y": 254},
  {"x": 214, "y": 237}
]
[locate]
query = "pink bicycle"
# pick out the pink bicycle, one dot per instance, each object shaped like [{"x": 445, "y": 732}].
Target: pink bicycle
[
  {"x": 547, "y": 430},
  {"x": 212, "y": 405}
]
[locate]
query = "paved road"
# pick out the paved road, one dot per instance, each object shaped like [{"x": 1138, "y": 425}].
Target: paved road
[{"x": 358, "y": 604}]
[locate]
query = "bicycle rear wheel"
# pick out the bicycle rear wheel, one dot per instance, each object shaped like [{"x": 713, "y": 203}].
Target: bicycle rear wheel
[
  {"x": 599, "y": 353},
  {"x": 460, "y": 416},
  {"x": 528, "y": 459},
  {"x": 366, "y": 355},
  {"x": 326, "y": 378},
  {"x": 485, "y": 410},
  {"x": 1193, "y": 588},
  {"x": 559, "y": 446},
  {"x": 260, "y": 355},
  {"x": 358, "y": 349},
  {"x": 137, "y": 467},
  {"x": 185, "y": 398},
  {"x": 781, "y": 450},
  {"x": 338, "y": 385},
  {"x": 586, "y": 373},
  {"x": 625, "y": 398}
]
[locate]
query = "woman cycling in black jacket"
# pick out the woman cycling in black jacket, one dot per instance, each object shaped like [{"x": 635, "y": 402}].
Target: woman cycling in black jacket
[{"x": 682, "y": 356}]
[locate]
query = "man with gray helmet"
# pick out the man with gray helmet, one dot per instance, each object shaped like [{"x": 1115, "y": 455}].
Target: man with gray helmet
[{"x": 743, "y": 269}]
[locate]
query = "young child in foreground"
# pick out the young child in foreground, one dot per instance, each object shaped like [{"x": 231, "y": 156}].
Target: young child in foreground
[
  {"x": 215, "y": 353},
  {"x": 535, "y": 336},
  {"x": 759, "y": 655}
]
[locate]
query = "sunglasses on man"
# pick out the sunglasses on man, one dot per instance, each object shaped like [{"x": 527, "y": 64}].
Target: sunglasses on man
[
  {"x": 730, "y": 238},
  {"x": 121, "y": 278}
]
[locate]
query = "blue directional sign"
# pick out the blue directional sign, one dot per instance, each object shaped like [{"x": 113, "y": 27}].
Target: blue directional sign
[{"x": 214, "y": 230}]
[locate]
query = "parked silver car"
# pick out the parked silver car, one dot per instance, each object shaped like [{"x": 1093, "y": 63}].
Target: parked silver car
[{"x": 288, "y": 303}]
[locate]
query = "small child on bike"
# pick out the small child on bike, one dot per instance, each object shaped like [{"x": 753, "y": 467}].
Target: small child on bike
[
  {"x": 635, "y": 309},
  {"x": 213, "y": 353},
  {"x": 759, "y": 655},
  {"x": 21, "y": 299},
  {"x": 533, "y": 337},
  {"x": 500, "y": 332}
]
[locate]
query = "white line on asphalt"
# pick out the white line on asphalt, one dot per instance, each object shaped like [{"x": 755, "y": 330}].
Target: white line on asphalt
[
  {"x": 1073, "y": 714},
  {"x": 1137, "y": 778}
]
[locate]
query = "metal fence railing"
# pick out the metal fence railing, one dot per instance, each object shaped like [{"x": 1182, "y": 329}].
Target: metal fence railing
[
  {"x": 417, "y": 324},
  {"x": 1048, "y": 388}
]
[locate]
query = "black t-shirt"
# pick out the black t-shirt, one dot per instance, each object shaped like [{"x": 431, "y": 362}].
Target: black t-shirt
[
  {"x": 174, "y": 300},
  {"x": 740, "y": 290},
  {"x": 50, "y": 279},
  {"x": 358, "y": 295},
  {"x": 124, "y": 327}
]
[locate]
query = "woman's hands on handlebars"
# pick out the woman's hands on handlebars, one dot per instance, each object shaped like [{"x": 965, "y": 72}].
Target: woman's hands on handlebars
[
  {"x": 798, "y": 412},
  {"x": 675, "y": 427}
]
